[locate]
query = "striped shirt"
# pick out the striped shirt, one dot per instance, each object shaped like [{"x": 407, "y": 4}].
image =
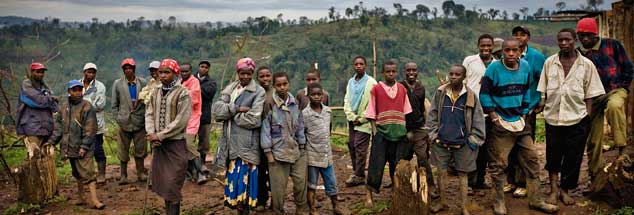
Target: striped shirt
[
  {"x": 317, "y": 127},
  {"x": 506, "y": 91}
]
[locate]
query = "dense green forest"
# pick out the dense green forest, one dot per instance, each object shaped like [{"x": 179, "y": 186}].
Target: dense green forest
[{"x": 434, "y": 41}]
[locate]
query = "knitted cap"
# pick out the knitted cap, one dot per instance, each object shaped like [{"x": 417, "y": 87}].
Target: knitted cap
[{"x": 588, "y": 25}]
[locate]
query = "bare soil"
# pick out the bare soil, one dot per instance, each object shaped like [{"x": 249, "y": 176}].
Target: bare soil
[{"x": 208, "y": 198}]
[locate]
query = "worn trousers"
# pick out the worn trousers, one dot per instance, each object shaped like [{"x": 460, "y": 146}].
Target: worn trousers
[
  {"x": 514, "y": 173},
  {"x": 564, "y": 151},
  {"x": 482, "y": 161},
  {"x": 203, "y": 138},
  {"x": 502, "y": 141},
  {"x": 358, "y": 143},
  {"x": 418, "y": 143},
  {"x": 383, "y": 151},
  {"x": 612, "y": 107},
  {"x": 279, "y": 173},
  {"x": 127, "y": 137},
  {"x": 263, "y": 181},
  {"x": 100, "y": 154},
  {"x": 192, "y": 152},
  {"x": 327, "y": 174}
]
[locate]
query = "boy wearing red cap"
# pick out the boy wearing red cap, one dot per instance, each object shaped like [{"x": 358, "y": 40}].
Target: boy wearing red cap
[
  {"x": 129, "y": 113},
  {"x": 166, "y": 117},
  {"x": 36, "y": 105},
  {"x": 615, "y": 71}
]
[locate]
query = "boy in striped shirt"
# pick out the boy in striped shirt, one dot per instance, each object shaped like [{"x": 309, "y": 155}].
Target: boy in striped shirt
[{"x": 505, "y": 98}]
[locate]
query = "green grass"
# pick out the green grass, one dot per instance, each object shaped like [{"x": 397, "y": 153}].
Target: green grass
[
  {"x": 621, "y": 211},
  {"x": 379, "y": 206},
  {"x": 21, "y": 208},
  {"x": 540, "y": 131}
]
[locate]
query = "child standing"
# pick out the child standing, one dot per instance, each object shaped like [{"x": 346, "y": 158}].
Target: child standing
[
  {"x": 456, "y": 130},
  {"x": 386, "y": 111},
  {"x": 76, "y": 127},
  {"x": 317, "y": 125},
  {"x": 284, "y": 144}
]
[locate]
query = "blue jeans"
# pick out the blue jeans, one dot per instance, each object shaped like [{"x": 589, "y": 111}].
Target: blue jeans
[{"x": 327, "y": 174}]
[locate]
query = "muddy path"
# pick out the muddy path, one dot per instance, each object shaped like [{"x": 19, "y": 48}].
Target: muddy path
[{"x": 208, "y": 198}]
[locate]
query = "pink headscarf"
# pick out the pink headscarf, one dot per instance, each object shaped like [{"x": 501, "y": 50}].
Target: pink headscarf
[
  {"x": 246, "y": 62},
  {"x": 172, "y": 64}
]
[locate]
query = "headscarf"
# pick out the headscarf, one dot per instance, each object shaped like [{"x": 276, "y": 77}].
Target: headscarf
[
  {"x": 171, "y": 64},
  {"x": 246, "y": 62}
]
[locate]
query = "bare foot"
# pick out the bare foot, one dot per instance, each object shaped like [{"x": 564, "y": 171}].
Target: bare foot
[
  {"x": 565, "y": 198},
  {"x": 465, "y": 212},
  {"x": 368, "y": 200},
  {"x": 552, "y": 198}
]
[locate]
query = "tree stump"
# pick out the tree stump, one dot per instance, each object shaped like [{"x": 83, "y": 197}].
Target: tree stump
[
  {"x": 410, "y": 194},
  {"x": 37, "y": 180},
  {"x": 614, "y": 183}
]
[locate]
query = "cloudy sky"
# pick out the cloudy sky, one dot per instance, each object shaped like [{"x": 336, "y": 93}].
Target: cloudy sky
[{"x": 233, "y": 11}]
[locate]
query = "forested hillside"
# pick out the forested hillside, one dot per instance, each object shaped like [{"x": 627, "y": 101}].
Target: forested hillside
[{"x": 292, "y": 46}]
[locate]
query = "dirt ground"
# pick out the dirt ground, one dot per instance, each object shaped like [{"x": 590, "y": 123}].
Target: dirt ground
[{"x": 208, "y": 198}]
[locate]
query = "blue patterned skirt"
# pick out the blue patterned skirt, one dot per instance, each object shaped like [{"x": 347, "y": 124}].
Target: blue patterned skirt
[{"x": 241, "y": 185}]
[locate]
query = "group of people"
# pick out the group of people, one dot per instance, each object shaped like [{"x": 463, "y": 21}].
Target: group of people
[
  {"x": 482, "y": 117},
  {"x": 169, "y": 112}
]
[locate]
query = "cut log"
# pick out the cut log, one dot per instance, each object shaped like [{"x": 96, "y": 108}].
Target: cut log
[
  {"x": 37, "y": 180},
  {"x": 410, "y": 194},
  {"x": 614, "y": 184}
]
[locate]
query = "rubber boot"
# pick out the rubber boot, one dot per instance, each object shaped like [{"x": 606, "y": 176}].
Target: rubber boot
[
  {"x": 499, "y": 207},
  {"x": 93, "y": 197},
  {"x": 101, "y": 169},
  {"x": 81, "y": 199},
  {"x": 124, "y": 174},
  {"x": 440, "y": 204},
  {"x": 172, "y": 208},
  {"x": 335, "y": 208},
  {"x": 310, "y": 196},
  {"x": 202, "y": 178},
  {"x": 140, "y": 169},
  {"x": 464, "y": 192},
  {"x": 534, "y": 200}
]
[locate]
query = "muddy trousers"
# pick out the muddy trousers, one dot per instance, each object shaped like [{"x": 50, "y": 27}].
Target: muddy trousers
[
  {"x": 279, "y": 173},
  {"x": 612, "y": 107},
  {"x": 477, "y": 178},
  {"x": 514, "y": 173},
  {"x": 502, "y": 141},
  {"x": 383, "y": 151},
  {"x": 418, "y": 143}
]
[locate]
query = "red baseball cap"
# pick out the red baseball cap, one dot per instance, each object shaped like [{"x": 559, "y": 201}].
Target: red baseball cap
[
  {"x": 37, "y": 66},
  {"x": 128, "y": 61}
]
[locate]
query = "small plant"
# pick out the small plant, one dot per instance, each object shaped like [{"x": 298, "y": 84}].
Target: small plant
[
  {"x": 21, "y": 208},
  {"x": 379, "y": 206}
]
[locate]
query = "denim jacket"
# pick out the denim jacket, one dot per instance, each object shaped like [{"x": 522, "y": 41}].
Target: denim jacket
[{"x": 283, "y": 130}]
